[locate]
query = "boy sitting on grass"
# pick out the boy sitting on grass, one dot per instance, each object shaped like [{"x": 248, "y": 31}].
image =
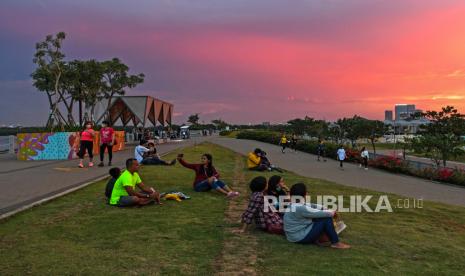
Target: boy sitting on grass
[
  {"x": 306, "y": 223},
  {"x": 114, "y": 173},
  {"x": 266, "y": 220}
]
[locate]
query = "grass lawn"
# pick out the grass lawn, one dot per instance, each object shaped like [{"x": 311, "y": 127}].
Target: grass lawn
[{"x": 80, "y": 234}]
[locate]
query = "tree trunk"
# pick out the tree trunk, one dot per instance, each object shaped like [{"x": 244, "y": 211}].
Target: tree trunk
[
  {"x": 107, "y": 111},
  {"x": 374, "y": 147}
]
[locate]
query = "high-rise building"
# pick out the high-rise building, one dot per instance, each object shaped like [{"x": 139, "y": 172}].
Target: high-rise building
[
  {"x": 388, "y": 115},
  {"x": 404, "y": 111}
]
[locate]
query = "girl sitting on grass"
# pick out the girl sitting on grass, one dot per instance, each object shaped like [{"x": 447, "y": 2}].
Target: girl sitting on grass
[
  {"x": 266, "y": 220},
  {"x": 206, "y": 176},
  {"x": 306, "y": 223},
  {"x": 277, "y": 188}
]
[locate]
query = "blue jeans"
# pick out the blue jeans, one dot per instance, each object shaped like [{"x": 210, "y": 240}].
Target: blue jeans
[
  {"x": 204, "y": 186},
  {"x": 320, "y": 226}
]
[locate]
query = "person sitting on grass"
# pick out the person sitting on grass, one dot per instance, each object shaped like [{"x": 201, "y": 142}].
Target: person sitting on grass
[
  {"x": 305, "y": 222},
  {"x": 148, "y": 155},
  {"x": 124, "y": 193},
  {"x": 277, "y": 188},
  {"x": 114, "y": 173},
  {"x": 267, "y": 220},
  {"x": 206, "y": 176},
  {"x": 257, "y": 161}
]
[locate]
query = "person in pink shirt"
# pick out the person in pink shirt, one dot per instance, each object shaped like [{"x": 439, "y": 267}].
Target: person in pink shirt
[
  {"x": 107, "y": 140},
  {"x": 87, "y": 144}
]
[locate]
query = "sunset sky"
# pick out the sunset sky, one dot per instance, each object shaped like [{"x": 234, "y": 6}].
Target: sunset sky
[{"x": 249, "y": 60}]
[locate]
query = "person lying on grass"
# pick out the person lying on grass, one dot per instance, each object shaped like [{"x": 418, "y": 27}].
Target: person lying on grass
[
  {"x": 266, "y": 220},
  {"x": 305, "y": 222},
  {"x": 124, "y": 193},
  {"x": 206, "y": 176}
]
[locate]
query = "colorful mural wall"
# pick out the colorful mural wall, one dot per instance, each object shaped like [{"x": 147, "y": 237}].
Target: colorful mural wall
[{"x": 57, "y": 145}]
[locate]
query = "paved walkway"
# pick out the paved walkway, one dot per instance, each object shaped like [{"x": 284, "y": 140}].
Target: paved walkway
[
  {"x": 306, "y": 165},
  {"x": 25, "y": 182}
]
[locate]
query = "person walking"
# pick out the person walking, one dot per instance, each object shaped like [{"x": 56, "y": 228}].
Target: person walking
[
  {"x": 365, "y": 155},
  {"x": 107, "y": 140},
  {"x": 86, "y": 144},
  {"x": 341, "y": 156},
  {"x": 294, "y": 142},
  {"x": 283, "y": 143},
  {"x": 321, "y": 150}
]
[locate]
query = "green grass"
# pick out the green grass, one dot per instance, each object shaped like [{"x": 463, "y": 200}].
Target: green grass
[
  {"x": 80, "y": 234},
  {"x": 430, "y": 240}
]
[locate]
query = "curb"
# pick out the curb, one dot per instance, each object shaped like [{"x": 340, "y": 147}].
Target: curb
[{"x": 60, "y": 194}]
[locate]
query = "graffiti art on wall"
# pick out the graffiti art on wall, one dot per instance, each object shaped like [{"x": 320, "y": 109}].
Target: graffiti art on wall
[{"x": 56, "y": 146}]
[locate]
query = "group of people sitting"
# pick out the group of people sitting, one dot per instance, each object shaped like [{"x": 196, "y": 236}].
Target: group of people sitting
[
  {"x": 304, "y": 222},
  {"x": 121, "y": 188}
]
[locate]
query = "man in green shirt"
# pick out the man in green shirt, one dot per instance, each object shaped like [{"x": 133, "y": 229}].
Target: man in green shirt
[{"x": 124, "y": 193}]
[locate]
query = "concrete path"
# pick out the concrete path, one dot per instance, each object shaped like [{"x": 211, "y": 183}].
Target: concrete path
[
  {"x": 307, "y": 165},
  {"x": 25, "y": 182}
]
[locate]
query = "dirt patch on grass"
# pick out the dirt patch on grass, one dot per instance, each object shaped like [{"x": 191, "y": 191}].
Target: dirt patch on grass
[{"x": 239, "y": 253}]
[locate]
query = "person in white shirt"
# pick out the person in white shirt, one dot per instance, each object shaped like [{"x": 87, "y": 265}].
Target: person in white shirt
[
  {"x": 140, "y": 151},
  {"x": 365, "y": 155},
  {"x": 341, "y": 156},
  {"x": 148, "y": 155}
]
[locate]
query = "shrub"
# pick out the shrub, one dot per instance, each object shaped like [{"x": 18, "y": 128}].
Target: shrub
[{"x": 225, "y": 132}]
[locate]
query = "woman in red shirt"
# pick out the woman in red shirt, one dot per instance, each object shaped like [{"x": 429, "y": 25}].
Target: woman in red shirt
[
  {"x": 87, "y": 144},
  {"x": 206, "y": 176},
  {"x": 107, "y": 140}
]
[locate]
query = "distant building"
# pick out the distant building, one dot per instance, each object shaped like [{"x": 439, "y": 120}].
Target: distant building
[
  {"x": 266, "y": 123},
  {"x": 388, "y": 115},
  {"x": 406, "y": 119},
  {"x": 404, "y": 111}
]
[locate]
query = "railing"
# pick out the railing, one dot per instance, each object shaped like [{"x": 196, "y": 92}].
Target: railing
[{"x": 8, "y": 144}]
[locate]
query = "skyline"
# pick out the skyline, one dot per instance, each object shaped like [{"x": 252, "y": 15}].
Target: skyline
[{"x": 249, "y": 61}]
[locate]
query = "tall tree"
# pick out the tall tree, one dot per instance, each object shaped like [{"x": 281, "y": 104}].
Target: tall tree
[
  {"x": 441, "y": 139},
  {"x": 194, "y": 119},
  {"x": 220, "y": 124},
  {"x": 371, "y": 130},
  {"x": 49, "y": 59},
  {"x": 351, "y": 128},
  {"x": 116, "y": 80},
  {"x": 310, "y": 126},
  {"x": 89, "y": 85}
]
